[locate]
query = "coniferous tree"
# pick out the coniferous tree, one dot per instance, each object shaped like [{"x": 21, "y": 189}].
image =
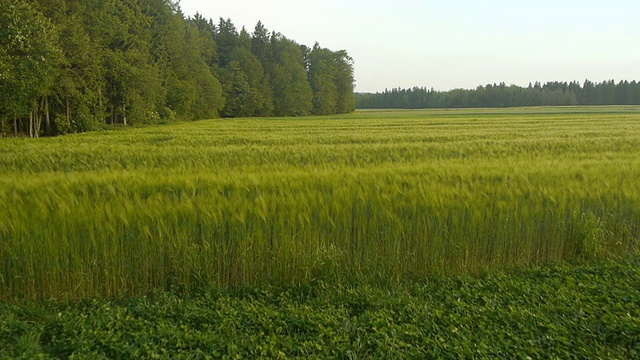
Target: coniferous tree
[
  {"x": 500, "y": 95},
  {"x": 261, "y": 49}
]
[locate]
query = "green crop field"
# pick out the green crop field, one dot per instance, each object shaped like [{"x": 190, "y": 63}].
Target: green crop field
[
  {"x": 376, "y": 196},
  {"x": 552, "y": 312},
  {"x": 390, "y": 234}
]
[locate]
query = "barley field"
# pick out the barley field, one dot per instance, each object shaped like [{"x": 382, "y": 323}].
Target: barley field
[{"x": 374, "y": 196}]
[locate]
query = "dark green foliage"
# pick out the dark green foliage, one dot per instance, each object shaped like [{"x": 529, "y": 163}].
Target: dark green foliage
[
  {"x": 69, "y": 66},
  {"x": 292, "y": 94},
  {"x": 549, "y": 94},
  {"x": 331, "y": 78},
  {"x": 246, "y": 88},
  {"x": 344, "y": 82},
  {"x": 568, "y": 311},
  {"x": 240, "y": 97},
  {"x": 29, "y": 64},
  {"x": 322, "y": 74}
]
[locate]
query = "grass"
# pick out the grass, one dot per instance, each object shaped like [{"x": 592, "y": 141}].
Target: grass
[{"x": 375, "y": 197}]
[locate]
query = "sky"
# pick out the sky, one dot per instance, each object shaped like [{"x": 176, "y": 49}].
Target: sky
[{"x": 451, "y": 44}]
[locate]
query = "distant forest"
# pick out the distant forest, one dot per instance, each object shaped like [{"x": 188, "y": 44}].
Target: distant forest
[
  {"x": 76, "y": 65},
  {"x": 549, "y": 94}
]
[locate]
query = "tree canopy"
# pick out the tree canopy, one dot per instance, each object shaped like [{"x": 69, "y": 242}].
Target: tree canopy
[
  {"x": 501, "y": 95},
  {"x": 73, "y": 66}
]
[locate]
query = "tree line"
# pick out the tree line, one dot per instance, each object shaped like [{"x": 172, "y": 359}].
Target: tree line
[
  {"x": 76, "y": 65},
  {"x": 501, "y": 95}
]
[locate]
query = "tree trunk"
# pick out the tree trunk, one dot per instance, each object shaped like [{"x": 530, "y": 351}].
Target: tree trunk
[
  {"x": 31, "y": 124},
  {"x": 37, "y": 118},
  {"x": 68, "y": 111},
  {"x": 46, "y": 116},
  {"x": 100, "y": 111},
  {"x": 37, "y": 123},
  {"x": 124, "y": 115}
]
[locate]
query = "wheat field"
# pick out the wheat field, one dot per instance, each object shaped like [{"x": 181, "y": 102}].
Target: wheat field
[{"x": 374, "y": 196}]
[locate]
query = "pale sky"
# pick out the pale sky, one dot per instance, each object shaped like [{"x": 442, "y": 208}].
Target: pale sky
[{"x": 450, "y": 44}]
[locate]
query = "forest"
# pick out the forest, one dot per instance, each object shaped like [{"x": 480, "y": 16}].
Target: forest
[
  {"x": 500, "y": 95},
  {"x": 73, "y": 66}
]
